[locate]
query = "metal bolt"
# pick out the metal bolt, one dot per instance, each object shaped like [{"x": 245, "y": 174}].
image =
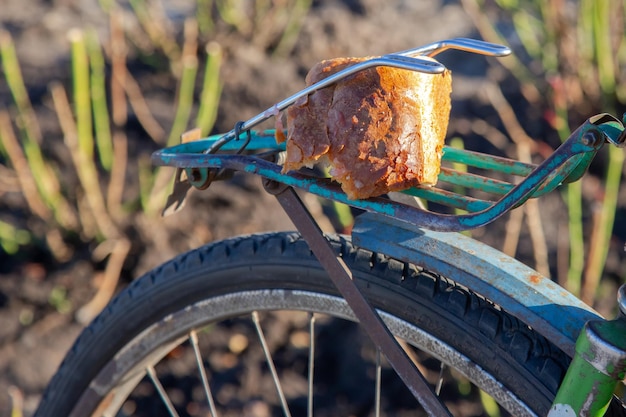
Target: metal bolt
[
  {"x": 200, "y": 179},
  {"x": 273, "y": 187},
  {"x": 195, "y": 175},
  {"x": 589, "y": 138}
]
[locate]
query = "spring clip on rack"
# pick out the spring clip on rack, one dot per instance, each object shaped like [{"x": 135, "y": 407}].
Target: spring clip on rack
[{"x": 198, "y": 163}]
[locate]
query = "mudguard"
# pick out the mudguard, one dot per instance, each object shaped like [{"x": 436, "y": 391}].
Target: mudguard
[{"x": 519, "y": 290}]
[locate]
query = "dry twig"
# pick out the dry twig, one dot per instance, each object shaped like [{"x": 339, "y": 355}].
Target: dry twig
[
  {"x": 107, "y": 286},
  {"x": 119, "y": 111},
  {"x": 21, "y": 168},
  {"x": 524, "y": 145},
  {"x": 84, "y": 166}
]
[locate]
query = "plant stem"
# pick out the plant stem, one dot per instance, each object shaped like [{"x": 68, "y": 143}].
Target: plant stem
[
  {"x": 573, "y": 198},
  {"x": 205, "y": 16},
  {"x": 574, "y": 201},
  {"x": 82, "y": 100},
  {"x": 528, "y": 88},
  {"x": 156, "y": 28},
  {"x": 46, "y": 179},
  {"x": 28, "y": 121},
  {"x": 294, "y": 24},
  {"x": 99, "y": 101},
  {"x": 603, "y": 229},
  {"x": 184, "y": 101},
  {"x": 22, "y": 170},
  {"x": 211, "y": 89},
  {"x": 163, "y": 175},
  {"x": 601, "y": 237},
  {"x": 604, "y": 52},
  {"x": 119, "y": 111},
  {"x": 84, "y": 164}
]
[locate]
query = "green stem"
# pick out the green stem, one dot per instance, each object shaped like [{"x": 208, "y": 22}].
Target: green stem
[
  {"x": 344, "y": 215},
  {"x": 601, "y": 243},
  {"x": 104, "y": 141},
  {"x": 204, "y": 15},
  {"x": 604, "y": 228},
  {"x": 83, "y": 153},
  {"x": 28, "y": 122},
  {"x": 231, "y": 13},
  {"x": 573, "y": 197},
  {"x": 294, "y": 24},
  {"x": 184, "y": 100},
  {"x": 82, "y": 96},
  {"x": 211, "y": 89},
  {"x": 459, "y": 144},
  {"x": 604, "y": 51},
  {"x": 155, "y": 28},
  {"x": 585, "y": 67},
  {"x": 526, "y": 25},
  {"x": 146, "y": 182},
  {"x": 45, "y": 177},
  {"x": 528, "y": 81}
]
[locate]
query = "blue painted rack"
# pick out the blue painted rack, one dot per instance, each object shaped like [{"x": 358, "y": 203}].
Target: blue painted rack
[{"x": 566, "y": 164}]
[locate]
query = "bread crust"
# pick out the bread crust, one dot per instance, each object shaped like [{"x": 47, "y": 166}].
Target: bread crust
[{"x": 380, "y": 130}]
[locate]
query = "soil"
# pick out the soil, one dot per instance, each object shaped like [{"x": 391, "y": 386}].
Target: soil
[{"x": 35, "y": 330}]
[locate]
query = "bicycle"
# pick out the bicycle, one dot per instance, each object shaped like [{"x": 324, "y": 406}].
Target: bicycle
[{"x": 417, "y": 288}]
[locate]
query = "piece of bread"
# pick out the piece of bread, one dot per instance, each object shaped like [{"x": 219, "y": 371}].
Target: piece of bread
[{"x": 380, "y": 130}]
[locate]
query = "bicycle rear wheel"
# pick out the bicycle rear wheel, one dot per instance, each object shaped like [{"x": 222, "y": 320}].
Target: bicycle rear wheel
[{"x": 253, "y": 326}]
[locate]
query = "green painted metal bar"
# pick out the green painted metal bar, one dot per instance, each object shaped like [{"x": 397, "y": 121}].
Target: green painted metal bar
[
  {"x": 572, "y": 157},
  {"x": 260, "y": 140},
  {"x": 475, "y": 182},
  {"x": 449, "y": 199},
  {"x": 612, "y": 128},
  {"x": 581, "y": 168},
  {"x": 489, "y": 162},
  {"x": 266, "y": 140},
  {"x": 557, "y": 177},
  {"x": 598, "y": 365}
]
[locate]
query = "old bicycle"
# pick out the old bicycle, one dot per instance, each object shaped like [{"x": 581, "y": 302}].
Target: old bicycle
[{"x": 438, "y": 306}]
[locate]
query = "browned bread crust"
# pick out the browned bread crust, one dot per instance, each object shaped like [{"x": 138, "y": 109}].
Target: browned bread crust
[{"x": 380, "y": 130}]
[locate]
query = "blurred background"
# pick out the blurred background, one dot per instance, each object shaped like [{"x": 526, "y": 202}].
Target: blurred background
[{"x": 88, "y": 89}]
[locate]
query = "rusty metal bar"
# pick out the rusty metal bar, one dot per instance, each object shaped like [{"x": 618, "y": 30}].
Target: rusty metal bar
[{"x": 368, "y": 318}]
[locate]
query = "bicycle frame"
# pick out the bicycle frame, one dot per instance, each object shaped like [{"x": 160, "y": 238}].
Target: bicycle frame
[
  {"x": 421, "y": 236},
  {"x": 599, "y": 355},
  {"x": 599, "y": 364}
]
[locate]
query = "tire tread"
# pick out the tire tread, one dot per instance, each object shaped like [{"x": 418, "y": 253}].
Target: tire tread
[{"x": 533, "y": 353}]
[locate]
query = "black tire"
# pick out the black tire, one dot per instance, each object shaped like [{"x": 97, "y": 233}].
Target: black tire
[{"x": 513, "y": 358}]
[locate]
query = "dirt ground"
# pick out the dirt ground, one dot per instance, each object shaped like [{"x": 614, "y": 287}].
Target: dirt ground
[{"x": 34, "y": 335}]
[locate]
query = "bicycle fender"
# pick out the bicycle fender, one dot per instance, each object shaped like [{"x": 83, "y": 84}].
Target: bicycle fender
[{"x": 521, "y": 291}]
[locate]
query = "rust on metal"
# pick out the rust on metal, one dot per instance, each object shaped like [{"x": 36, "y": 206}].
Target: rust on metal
[{"x": 368, "y": 318}]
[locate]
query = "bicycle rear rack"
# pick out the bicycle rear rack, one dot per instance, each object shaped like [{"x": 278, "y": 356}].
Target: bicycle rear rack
[
  {"x": 201, "y": 163},
  {"x": 566, "y": 164},
  {"x": 203, "y": 160}
]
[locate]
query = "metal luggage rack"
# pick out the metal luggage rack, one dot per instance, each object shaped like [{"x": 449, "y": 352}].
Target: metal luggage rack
[{"x": 203, "y": 160}]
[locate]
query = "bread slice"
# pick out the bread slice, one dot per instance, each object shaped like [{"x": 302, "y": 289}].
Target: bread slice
[{"x": 380, "y": 130}]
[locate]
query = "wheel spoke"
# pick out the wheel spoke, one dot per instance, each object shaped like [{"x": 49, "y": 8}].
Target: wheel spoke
[
  {"x": 270, "y": 363},
  {"x": 378, "y": 382},
  {"x": 157, "y": 384},
  {"x": 442, "y": 368},
  {"x": 311, "y": 363},
  {"x": 193, "y": 337}
]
